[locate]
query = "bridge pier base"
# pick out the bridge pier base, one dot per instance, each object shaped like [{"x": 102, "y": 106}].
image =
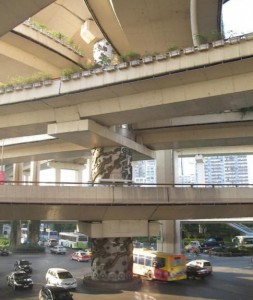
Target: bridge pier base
[{"x": 112, "y": 251}]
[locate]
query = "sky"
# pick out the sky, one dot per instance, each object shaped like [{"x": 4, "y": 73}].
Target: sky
[{"x": 237, "y": 17}]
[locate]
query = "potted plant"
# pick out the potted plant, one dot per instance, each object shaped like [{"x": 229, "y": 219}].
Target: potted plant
[
  {"x": 161, "y": 56},
  {"x": 174, "y": 51},
  {"x": 189, "y": 50},
  {"x": 133, "y": 58},
  {"x": 95, "y": 68},
  {"x": 71, "y": 73},
  {"x": 148, "y": 58}
]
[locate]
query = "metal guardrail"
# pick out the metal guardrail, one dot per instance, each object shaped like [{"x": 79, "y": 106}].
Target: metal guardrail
[{"x": 125, "y": 183}]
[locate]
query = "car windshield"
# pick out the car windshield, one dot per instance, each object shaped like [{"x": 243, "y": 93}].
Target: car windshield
[
  {"x": 21, "y": 276},
  {"x": 24, "y": 263},
  {"x": 62, "y": 295},
  {"x": 64, "y": 275}
]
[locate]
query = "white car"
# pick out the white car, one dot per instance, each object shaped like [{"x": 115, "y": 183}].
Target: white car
[
  {"x": 201, "y": 263},
  {"x": 61, "y": 277},
  {"x": 58, "y": 250}
]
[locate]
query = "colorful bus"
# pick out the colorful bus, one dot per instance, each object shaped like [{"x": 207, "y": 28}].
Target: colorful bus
[
  {"x": 74, "y": 240},
  {"x": 159, "y": 265}
]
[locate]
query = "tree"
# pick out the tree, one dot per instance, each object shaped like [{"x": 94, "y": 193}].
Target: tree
[{"x": 34, "y": 231}]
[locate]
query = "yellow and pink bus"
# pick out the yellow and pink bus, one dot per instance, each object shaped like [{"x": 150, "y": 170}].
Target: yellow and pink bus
[{"x": 159, "y": 265}]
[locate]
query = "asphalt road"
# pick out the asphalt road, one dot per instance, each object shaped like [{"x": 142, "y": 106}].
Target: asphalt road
[{"x": 232, "y": 279}]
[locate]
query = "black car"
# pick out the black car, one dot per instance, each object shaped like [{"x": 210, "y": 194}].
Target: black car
[
  {"x": 23, "y": 265},
  {"x": 212, "y": 242},
  {"x": 50, "y": 292},
  {"x": 193, "y": 272},
  {"x": 4, "y": 252},
  {"x": 19, "y": 280}
]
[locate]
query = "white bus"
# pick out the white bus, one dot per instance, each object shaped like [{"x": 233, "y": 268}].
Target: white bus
[
  {"x": 243, "y": 241},
  {"x": 74, "y": 240}
]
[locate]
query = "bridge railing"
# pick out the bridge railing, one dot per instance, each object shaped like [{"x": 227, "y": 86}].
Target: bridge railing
[{"x": 125, "y": 183}]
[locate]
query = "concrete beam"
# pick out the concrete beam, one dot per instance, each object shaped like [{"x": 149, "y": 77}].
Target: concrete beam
[
  {"x": 89, "y": 134},
  {"x": 119, "y": 228}
]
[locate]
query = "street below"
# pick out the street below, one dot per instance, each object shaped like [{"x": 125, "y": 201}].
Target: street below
[{"x": 232, "y": 279}]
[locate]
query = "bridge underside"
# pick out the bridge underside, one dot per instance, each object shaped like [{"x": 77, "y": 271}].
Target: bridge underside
[{"x": 97, "y": 213}]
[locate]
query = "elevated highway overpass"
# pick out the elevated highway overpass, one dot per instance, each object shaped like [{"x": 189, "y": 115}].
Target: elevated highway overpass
[
  {"x": 103, "y": 203},
  {"x": 202, "y": 99},
  {"x": 189, "y": 99}
]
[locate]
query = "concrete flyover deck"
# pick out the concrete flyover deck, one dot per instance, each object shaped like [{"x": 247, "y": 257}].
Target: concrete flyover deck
[
  {"x": 202, "y": 83},
  {"x": 99, "y": 203}
]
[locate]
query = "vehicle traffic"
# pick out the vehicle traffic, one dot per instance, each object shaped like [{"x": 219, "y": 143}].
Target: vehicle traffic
[
  {"x": 81, "y": 255},
  {"x": 58, "y": 250},
  {"x": 243, "y": 241},
  {"x": 23, "y": 265},
  {"x": 74, "y": 240},
  {"x": 51, "y": 292},
  {"x": 4, "y": 252},
  {"x": 159, "y": 265},
  {"x": 51, "y": 242},
  {"x": 202, "y": 263},
  {"x": 19, "y": 280},
  {"x": 192, "y": 245},
  {"x": 61, "y": 277},
  {"x": 194, "y": 272},
  {"x": 212, "y": 242}
]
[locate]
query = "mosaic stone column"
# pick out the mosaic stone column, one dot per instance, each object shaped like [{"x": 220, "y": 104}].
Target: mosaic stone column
[
  {"x": 114, "y": 163},
  {"x": 112, "y": 257}
]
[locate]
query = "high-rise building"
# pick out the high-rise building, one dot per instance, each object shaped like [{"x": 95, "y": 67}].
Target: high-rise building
[
  {"x": 144, "y": 171},
  {"x": 226, "y": 169}
]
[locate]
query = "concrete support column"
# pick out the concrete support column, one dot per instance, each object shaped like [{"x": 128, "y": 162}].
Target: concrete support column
[
  {"x": 194, "y": 21},
  {"x": 169, "y": 237},
  {"x": 57, "y": 174},
  {"x": 16, "y": 224},
  {"x": 112, "y": 241},
  {"x": 111, "y": 163},
  {"x": 18, "y": 171},
  {"x": 35, "y": 171},
  {"x": 165, "y": 166},
  {"x": 112, "y": 245}
]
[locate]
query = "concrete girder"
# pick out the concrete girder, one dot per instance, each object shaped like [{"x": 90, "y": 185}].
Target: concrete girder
[
  {"x": 14, "y": 12},
  {"x": 107, "y": 203},
  {"x": 148, "y": 26}
]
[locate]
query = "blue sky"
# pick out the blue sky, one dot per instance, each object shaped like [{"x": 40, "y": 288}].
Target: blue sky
[{"x": 237, "y": 17}]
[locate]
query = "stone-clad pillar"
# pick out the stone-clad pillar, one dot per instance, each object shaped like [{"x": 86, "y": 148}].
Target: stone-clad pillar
[
  {"x": 112, "y": 256},
  {"x": 111, "y": 163},
  {"x": 112, "y": 259}
]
